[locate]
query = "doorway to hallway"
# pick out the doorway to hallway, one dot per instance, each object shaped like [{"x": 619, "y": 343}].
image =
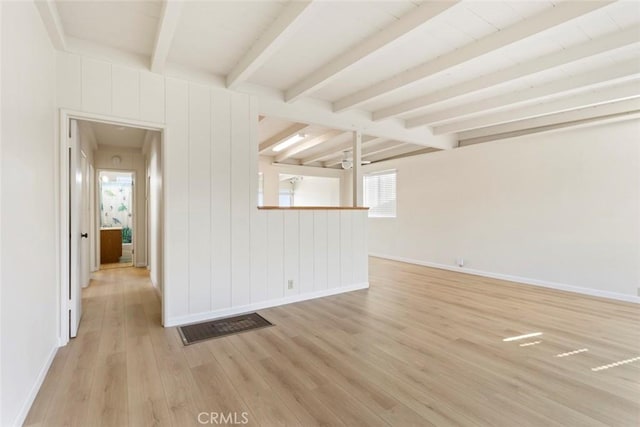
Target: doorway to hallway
[
  {"x": 116, "y": 218},
  {"x": 107, "y": 220}
]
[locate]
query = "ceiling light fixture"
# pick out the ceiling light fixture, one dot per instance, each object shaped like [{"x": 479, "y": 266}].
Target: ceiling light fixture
[{"x": 289, "y": 142}]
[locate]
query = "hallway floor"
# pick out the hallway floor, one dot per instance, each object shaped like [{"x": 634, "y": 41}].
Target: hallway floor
[{"x": 421, "y": 347}]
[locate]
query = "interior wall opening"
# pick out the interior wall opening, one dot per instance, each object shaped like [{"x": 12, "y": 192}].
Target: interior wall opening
[{"x": 117, "y": 222}]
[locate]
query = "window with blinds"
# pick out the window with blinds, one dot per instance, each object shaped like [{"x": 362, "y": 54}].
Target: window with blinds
[{"x": 379, "y": 191}]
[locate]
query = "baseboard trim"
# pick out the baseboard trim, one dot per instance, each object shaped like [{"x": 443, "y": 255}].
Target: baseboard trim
[
  {"x": 516, "y": 279},
  {"x": 210, "y": 315},
  {"x": 141, "y": 264},
  {"x": 31, "y": 397}
]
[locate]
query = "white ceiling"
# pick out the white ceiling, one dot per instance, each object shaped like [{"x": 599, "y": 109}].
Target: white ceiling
[
  {"x": 118, "y": 136},
  {"x": 394, "y": 65}
]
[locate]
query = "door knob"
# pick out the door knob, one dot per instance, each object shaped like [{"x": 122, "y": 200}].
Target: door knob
[{"x": 85, "y": 235}]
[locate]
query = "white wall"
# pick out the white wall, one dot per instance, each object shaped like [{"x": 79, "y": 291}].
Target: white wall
[
  {"x": 271, "y": 175},
  {"x": 218, "y": 244},
  {"x": 28, "y": 219},
  {"x": 313, "y": 190},
  {"x": 1, "y": 139},
  {"x": 154, "y": 214},
  {"x": 132, "y": 160},
  {"x": 558, "y": 208}
]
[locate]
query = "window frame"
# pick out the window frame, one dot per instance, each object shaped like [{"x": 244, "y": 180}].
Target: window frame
[{"x": 374, "y": 210}]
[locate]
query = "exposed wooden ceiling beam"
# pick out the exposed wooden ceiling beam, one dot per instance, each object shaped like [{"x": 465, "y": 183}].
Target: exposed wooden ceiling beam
[
  {"x": 391, "y": 150},
  {"x": 392, "y": 34},
  {"x": 329, "y": 153},
  {"x": 169, "y": 18},
  {"x": 306, "y": 145},
  {"x": 590, "y": 79},
  {"x": 603, "y": 118},
  {"x": 52, "y": 22},
  {"x": 320, "y": 113},
  {"x": 561, "y": 13},
  {"x": 281, "y": 136},
  {"x": 618, "y": 92},
  {"x": 285, "y": 26},
  {"x": 367, "y": 151},
  {"x": 402, "y": 151},
  {"x": 584, "y": 50},
  {"x": 552, "y": 119}
]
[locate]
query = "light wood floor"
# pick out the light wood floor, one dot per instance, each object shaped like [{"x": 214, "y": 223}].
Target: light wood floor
[{"x": 420, "y": 347}]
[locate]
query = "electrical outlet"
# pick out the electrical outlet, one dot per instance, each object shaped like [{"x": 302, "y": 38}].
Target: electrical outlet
[
  {"x": 639, "y": 292},
  {"x": 460, "y": 262},
  {"x": 290, "y": 284}
]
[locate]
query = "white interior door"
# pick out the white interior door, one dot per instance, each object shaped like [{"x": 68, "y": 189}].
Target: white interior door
[
  {"x": 76, "y": 177},
  {"x": 85, "y": 254}
]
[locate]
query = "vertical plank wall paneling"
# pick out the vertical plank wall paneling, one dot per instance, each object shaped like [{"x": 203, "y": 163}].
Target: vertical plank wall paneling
[
  {"x": 241, "y": 200},
  {"x": 199, "y": 198},
  {"x": 333, "y": 249},
  {"x": 275, "y": 254},
  {"x": 359, "y": 246},
  {"x": 291, "y": 252},
  {"x": 176, "y": 198},
  {"x": 223, "y": 255},
  {"x": 346, "y": 248},
  {"x": 96, "y": 86},
  {"x": 259, "y": 257},
  {"x": 320, "y": 251},
  {"x": 151, "y": 97},
  {"x": 220, "y": 200},
  {"x": 126, "y": 92},
  {"x": 306, "y": 249}
]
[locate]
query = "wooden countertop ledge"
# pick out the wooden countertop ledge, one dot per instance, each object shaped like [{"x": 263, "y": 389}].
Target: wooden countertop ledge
[{"x": 313, "y": 208}]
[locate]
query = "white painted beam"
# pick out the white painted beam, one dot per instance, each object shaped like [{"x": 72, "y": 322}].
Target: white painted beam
[
  {"x": 400, "y": 151},
  {"x": 587, "y": 121},
  {"x": 356, "y": 169},
  {"x": 306, "y": 145},
  {"x": 284, "y": 27},
  {"x": 599, "y": 77},
  {"x": 333, "y": 151},
  {"x": 618, "y": 92},
  {"x": 320, "y": 113},
  {"x": 395, "y": 32},
  {"x": 368, "y": 150},
  {"x": 49, "y": 13},
  {"x": 281, "y": 136},
  {"x": 563, "y": 12},
  {"x": 594, "y": 111},
  {"x": 584, "y": 50},
  {"x": 169, "y": 19}
]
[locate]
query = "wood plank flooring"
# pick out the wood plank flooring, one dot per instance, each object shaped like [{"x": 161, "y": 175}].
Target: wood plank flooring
[{"x": 421, "y": 347}]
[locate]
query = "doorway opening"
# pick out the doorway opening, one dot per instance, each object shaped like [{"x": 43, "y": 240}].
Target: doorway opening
[
  {"x": 107, "y": 219},
  {"x": 117, "y": 220}
]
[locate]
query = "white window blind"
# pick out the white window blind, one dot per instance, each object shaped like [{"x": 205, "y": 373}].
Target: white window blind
[{"x": 380, "y": 194}]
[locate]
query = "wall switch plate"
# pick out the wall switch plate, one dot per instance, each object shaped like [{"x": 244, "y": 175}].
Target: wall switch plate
[{"x": 290, "y": 284}]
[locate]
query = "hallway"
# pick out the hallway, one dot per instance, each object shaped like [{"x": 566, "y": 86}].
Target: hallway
[{"x": 111, "y": 365}]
